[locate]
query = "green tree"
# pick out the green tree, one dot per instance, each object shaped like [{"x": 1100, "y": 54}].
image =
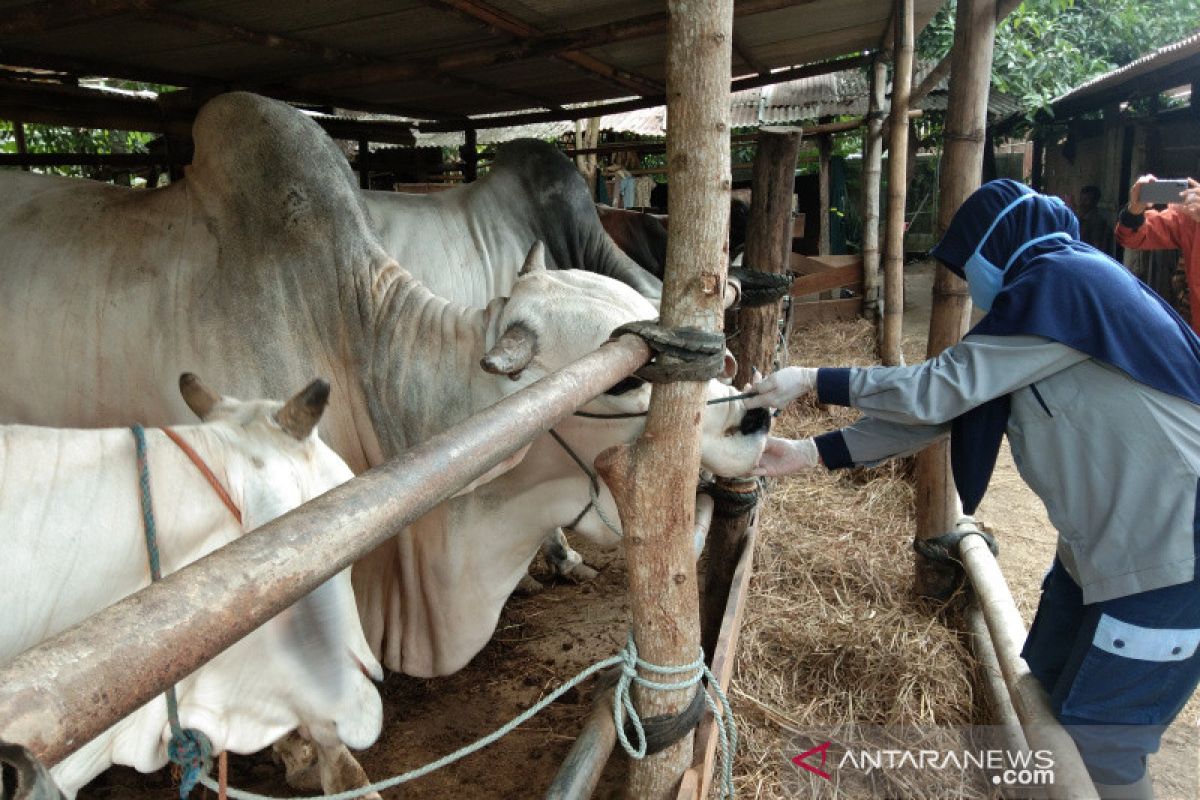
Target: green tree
[{"x": 1047, "y": 47}]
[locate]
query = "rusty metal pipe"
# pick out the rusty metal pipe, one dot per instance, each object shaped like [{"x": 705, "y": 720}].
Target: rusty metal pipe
[{"x": 57, "y": 696}]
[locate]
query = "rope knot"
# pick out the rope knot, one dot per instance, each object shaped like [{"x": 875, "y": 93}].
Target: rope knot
[
  {"x": 761, "y": 288},
  {"x": 192, "y": 751},
  {"x": 680, "y": 354}
]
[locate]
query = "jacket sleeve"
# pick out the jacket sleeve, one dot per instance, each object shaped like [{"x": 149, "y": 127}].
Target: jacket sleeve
[
  {"x": 871, "y": 440},
  {"x": 934, "y": 392},
  {"x": 1154, "y": 230}
]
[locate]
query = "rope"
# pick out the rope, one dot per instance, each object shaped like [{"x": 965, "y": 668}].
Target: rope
[
  {"x": 761, "y": 288},
  {"x": 728, "y": 502},
  {"x": 632, "y": 414},
  {"x": 944, "y": 549},
  {"x": 189, "y": 748},
  {"x": 593, "y": 490},
  {"x": 680, "y": 354},
  {"x": 623, "y": 709},
  {"x": 195, "y": 458}
]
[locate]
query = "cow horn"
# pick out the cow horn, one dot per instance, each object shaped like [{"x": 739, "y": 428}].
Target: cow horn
[
  {"x": 199, "y": 398},
  {"x": 536, "y": 260},
  {"x": 301, "y": 414},
  {"x": 512, "y": 353}
]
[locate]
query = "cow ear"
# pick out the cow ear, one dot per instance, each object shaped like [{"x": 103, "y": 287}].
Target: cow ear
[
  {"x": 301, "y": 414},
  {"x": 536, "y": 260},
  {"x": 512, "y": 354},
  {"x": 199, "y": 398}
]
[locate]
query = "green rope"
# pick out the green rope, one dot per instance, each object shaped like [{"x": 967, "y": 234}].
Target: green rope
[
  {"x": 623, "y": 708},
  {"x": 188, "y": 747}
]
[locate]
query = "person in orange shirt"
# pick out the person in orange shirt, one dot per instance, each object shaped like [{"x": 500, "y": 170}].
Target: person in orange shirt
[{"x": 1175, "y": 228}]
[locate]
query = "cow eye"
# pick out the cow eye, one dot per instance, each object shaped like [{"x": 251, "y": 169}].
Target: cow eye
[{"x": 627, "y": 385}]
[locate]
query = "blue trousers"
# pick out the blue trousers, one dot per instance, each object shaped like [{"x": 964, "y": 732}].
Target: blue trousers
[{"x": 1119, "y": 671}]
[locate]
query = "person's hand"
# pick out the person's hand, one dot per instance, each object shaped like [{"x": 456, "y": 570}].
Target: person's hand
[
  {"x": 1135, "y": 204},
  {"x": 1191, "y": 200},
  {"x": 785, "y": 456},
  {"x": 782, "y": 387}
]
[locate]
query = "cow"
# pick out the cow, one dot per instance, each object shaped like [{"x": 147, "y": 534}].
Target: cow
[
  {"x": 643, "y": 236},
  {"x": 71, "y": 514},
  {"x": 261, "y": 265},
  {"x": 465, "y": 244}
]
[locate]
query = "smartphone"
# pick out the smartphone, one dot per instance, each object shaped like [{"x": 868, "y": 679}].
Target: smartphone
[{"x": 1163, "y": 191}]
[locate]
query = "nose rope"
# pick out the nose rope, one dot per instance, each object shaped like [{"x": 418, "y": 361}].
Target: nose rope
[
  {"x": 633, "y": 414},
  {"x": 593, "y": 489}
]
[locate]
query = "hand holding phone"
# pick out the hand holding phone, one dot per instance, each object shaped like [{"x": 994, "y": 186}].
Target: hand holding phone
[{"x": 1163, "y": 191}]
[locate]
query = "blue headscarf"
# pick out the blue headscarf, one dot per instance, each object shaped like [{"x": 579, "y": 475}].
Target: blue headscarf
[{"x": 1062, "y": 289}]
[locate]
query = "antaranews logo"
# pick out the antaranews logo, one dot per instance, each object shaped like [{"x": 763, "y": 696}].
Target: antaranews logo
[
  {"x": 951, "y": 759},
  {"x": 802, "y": 759}
]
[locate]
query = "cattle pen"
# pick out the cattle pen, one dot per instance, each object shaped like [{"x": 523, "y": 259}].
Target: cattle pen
[{"x": 64, "y": 692}]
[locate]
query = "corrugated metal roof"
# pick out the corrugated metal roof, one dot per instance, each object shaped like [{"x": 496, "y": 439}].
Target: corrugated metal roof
[
  {"x": 424, "y": 59},
  {"x": 1164, "y": 59},
  {"x": 803, "y": 100}
]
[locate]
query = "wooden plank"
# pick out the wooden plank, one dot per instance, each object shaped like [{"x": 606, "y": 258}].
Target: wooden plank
[
  {"x": 827, "y": 311},
  {"x": 722, "y": 663},
  {"x": 830, "y": 279},
  {"x": 811, "y": 265}
]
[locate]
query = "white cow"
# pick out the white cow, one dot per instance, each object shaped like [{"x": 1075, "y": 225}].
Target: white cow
[
  {"x": 261, "y": 266},
  {"x": 74, "y": 544},
  {"x": 466, "y": 243}
]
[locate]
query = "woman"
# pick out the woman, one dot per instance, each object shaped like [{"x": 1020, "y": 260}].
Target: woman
[{"x": 1096, "y": 382}]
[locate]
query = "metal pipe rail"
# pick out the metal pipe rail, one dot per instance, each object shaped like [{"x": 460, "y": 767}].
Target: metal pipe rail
[
  {"x": 1007, "y": 632},
  {"x": 59, "y": 695}
]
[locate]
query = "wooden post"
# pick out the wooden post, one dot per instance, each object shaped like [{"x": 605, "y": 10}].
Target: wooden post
[
  {"x": 937, "y": 504},
  {"x": 825, "y": 150},
  {"x": 871, "y": 180},
  {"x": 768, "y": 249},
  {"x": 470, "y": 156},
  {"x": 364, "y": 160},
  {"x": 653, "y": 480},
  {"x": 19, "y": 133},
  {"x": 893, "y": 281}
]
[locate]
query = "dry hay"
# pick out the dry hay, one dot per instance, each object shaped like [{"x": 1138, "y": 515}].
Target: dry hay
[{"x": 833, "y": 635}]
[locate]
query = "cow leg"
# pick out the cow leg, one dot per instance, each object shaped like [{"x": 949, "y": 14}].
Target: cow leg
[
  {"x": 299, "y": 758},
  {"x": 320, "y": 763},
  {"x": 340, "y": 771},
  {"x": 563, "y": 560}
]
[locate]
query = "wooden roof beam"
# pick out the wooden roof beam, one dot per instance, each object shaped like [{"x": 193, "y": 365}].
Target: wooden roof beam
[
  {"x": 504, "y": 23},
  {"x": 55, "y": 14},
  {"x": 535, "y": 47},
  {"x": 806, "y": 71},
  {"x": 55, "y": 104}
]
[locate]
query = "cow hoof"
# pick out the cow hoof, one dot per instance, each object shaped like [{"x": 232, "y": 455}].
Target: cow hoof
[
  {"x": 581, "y": 573},
  {"x": 529, "y": 585},
  {"x": 299, "y": 759}
]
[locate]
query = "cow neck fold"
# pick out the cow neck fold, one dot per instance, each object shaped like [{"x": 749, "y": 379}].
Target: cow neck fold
[{"x": 424, "y": 374}]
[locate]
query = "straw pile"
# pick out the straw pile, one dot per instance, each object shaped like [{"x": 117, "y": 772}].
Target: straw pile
[{"x": 833, "y": 637}]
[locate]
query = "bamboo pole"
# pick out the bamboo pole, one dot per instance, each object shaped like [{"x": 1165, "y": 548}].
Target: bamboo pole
[
  {"x": 653, "y": 480},
  {"x": 1007, "y": 632},
  {"x": 893, "y": 286},
  {"x": 825, "y": 152},
  {"x": 871, "y": 181},
  {"x": 768, "y": 249},
  {"x": 937, "y": 504}
]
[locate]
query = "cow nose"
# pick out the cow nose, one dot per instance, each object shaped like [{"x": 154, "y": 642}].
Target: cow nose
[{"x": 756, "y": 420}]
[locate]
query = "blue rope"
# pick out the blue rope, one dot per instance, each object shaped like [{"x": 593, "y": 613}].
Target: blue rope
[
  {"x": 623, "y": 708},
  {"x": 189, "y": 748}
]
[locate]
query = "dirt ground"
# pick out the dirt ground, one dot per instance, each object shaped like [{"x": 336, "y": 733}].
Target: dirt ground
[{"x": 546, "y": 638}]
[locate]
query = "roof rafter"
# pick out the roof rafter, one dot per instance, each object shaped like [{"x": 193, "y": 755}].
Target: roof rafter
[
  {"x": 45, "y": 16},
  {"x": 533, "y": 47},
  {"x": 501, "y": 22}
]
